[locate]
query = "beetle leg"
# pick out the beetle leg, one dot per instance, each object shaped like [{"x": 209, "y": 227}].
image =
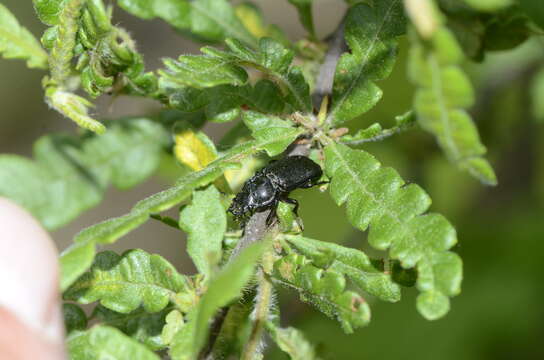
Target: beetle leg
[
  {"x": 292, "y": 202},
  {"x": 295, "y": 211},
  {"x": 272, "y": 214},
  {"x": 310, "y": 184}
]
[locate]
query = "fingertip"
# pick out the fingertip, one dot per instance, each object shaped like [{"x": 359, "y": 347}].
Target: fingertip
[
  {"x": 19, "y": 342},
  {"x": 29, "y": 271}
]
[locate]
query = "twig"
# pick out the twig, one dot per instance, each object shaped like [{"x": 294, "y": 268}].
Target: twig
[
  {"x": 256, "y": 227},
  {"x": 260, "y": 316},
  {"x": 385, "y": 133},
  {"x": 325, "y": 79}
]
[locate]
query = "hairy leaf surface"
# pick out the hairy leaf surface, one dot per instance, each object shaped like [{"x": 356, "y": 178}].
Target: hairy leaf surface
[
  {"x": 104, "y": 342},
  {"x": 75, "y": 108},
  {"x": 16, "y": 42},
  {"x": 293, "y": 342},
  {"x": 205, "y": 222},
  {"x": 324, "y": 289},
  {"x": 78, "y": 257},
  {"x": 277, "y": 132},
  {"x": 48, "y": 10},
  {"x": 371, "y": 35},
  {"x": 222, "y": 290},
  {"x": 124, "y": 282},
  {"x": 274, "y": 60},
  {"x": 139, "y": 324},
  {"x": 224, "y": 103},
  {"x": 366, "y": 274},
  {"x": 378, "y": 198},
  {"x": 182, "y": 80},
  {"x": 74, "y": 317},
  {"x": 202, "y": 72}
]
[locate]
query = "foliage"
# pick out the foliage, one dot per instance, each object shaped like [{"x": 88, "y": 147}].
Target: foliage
[
  {"x": 106, "y": 342},
  {"x": 377, "y": 198},
  {"x": 205, "y": 222},
  {"x": 444, "y": 91},
  {"x": 69, "y": 174},
  {"x": 371, "y": 34},
  {"x": 259, "y": 80},
  {"x": 18, "y": 42}
]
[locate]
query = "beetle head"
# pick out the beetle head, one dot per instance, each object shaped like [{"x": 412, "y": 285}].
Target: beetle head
[{"x": 256, "y": 194}]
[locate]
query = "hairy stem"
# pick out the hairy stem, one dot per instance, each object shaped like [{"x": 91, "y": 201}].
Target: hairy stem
[
  {"x": 263, "y": 302},
  {"x": 256, "y": 228},
  {"x": 62, "y": 52}
]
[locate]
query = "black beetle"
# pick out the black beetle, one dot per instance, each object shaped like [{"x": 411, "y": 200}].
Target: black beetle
[{"x": 273, "y": 183}]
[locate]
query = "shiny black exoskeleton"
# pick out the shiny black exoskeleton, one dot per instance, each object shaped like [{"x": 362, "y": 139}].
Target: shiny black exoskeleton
[{"x": 273, "y": 184}]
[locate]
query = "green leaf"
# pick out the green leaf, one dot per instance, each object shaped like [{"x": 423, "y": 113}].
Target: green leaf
[
  {"x": 274, "y": 60},
  {"x": 443, "y": 93},
  {"x": 378, "y": 198},
  {"x": 202, "y": 72},
  {"x": 77, "y": 258},
  {"x": 109, "y": 61},
  {"x": 174, "y": 322},
  {"x": 70, "y": 174},
  {"x": 234, "y": 331},
  {"x": 292, "y": 342},
  {"x": 205, "y": 222},
  {"x": 123, "y": 283},
  {"x": 366, "y": 274},
  {"x": 211, "y": 20},
  {"x": 16, "y": 42},
  {"x": 74, "y": 317},
  {"x": 48, "y": 10},
  {"x": 371, "y": 34},
  {"x": 253, "y": 20},
  {"x": 276, "y": 132},
  {"x": 304, "y": 8},
  {"x": 103, "y": 342},
  {"x": 217, "y": 20},
  {"x": 106, "y": 60},
  {"x": 74, "y": 107},
  {"x": 224, "y": 102},
  {"x": 222, "y": 290},
  {"x": 107, "y": 57},
  {"x": 175, "y": 12},
  {"x": 324, "y": 289},
  {"x": 140, "y": 325},
  {"x": 375, "y": 132}
]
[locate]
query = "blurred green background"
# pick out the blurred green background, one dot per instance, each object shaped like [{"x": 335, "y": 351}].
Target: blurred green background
[{"x": 499, "y": 313}]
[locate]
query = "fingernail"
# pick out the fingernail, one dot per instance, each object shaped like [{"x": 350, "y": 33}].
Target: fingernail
[{"x": 29, "y": 272}]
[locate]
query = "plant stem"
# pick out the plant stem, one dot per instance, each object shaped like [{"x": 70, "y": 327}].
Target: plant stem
[
  {"x": 256, "y": 227},
  {"x": 263, "y": 303},
  {"x": 260, "y": 316},
  {"x": 325, "y": 79}
]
